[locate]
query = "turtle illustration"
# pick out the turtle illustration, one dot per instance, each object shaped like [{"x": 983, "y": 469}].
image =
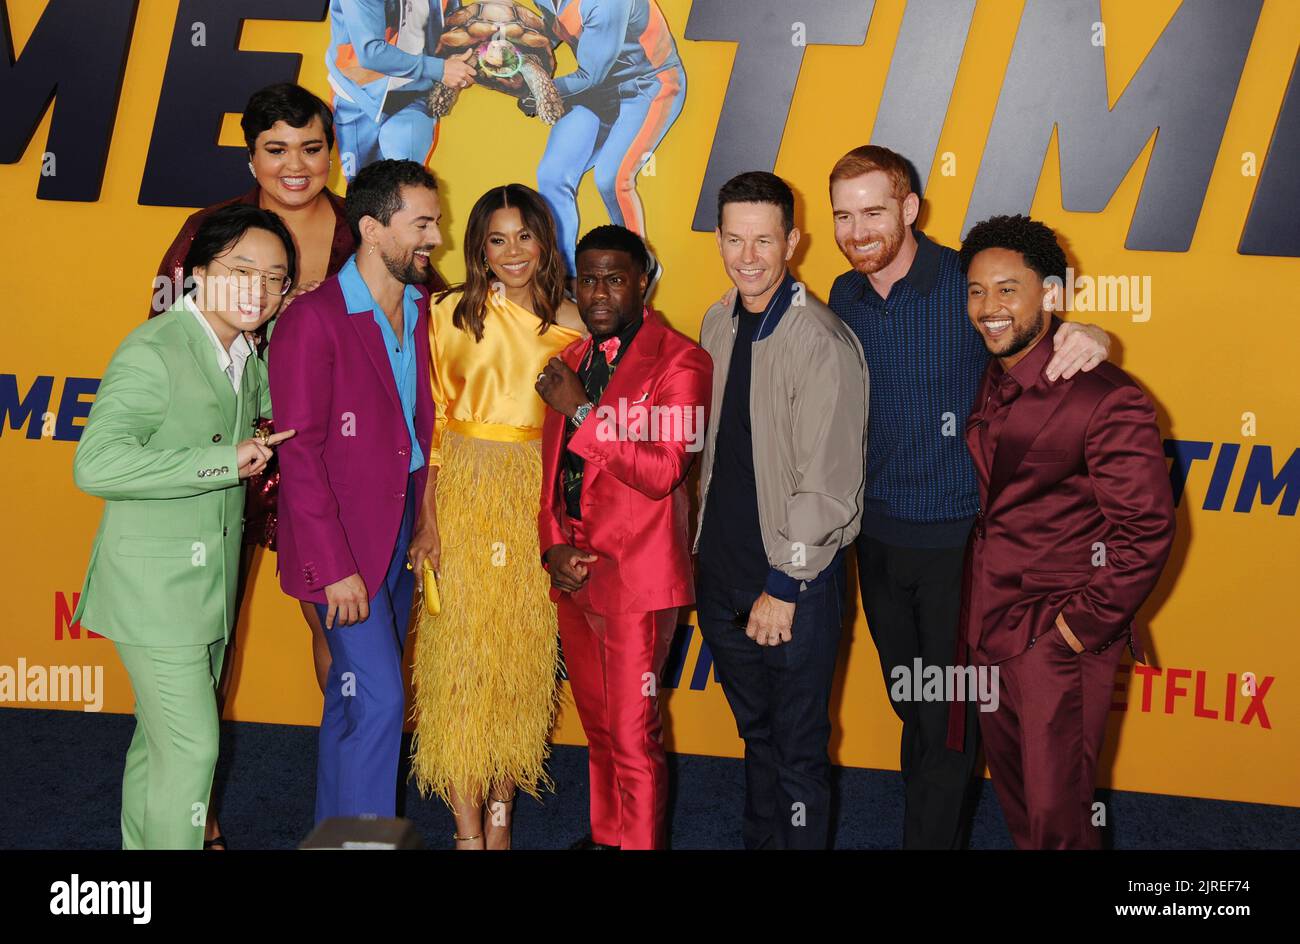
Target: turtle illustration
[{"x": 511, "y": 51}]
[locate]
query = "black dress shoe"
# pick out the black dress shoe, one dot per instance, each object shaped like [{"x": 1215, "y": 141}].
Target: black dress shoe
[{"x": 586, "y": 842}]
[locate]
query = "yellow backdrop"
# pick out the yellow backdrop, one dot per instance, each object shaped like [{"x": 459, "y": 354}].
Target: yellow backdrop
[{"x": 1218, "y": 353}]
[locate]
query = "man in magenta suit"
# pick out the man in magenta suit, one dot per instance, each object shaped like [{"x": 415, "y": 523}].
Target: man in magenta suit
[
  {"x": 350, "y": 363},
  {"x": 628, "y": 412},
  {"x": 1076, "y": 524}
]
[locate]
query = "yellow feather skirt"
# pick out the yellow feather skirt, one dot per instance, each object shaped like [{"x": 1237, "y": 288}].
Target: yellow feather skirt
[{"x": 485, "y": 667}]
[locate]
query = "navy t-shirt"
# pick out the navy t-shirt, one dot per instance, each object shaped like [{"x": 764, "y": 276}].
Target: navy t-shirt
[{"x": 731, "y": 539}]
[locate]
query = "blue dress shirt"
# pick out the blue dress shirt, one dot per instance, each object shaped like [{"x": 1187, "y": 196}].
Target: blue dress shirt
[{"x": 401, "y": 357}]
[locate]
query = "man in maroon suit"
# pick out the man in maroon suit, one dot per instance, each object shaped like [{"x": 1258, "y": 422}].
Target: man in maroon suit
[
  {"x": 628, "y": 413},
  {"x": 1076, "y": 524}
]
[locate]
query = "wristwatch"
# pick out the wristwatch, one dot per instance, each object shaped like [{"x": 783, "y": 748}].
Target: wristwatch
[{"x": 580, "y": 414}]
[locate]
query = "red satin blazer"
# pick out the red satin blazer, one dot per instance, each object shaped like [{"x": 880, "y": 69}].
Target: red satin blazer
[{"x": 635, "y": 511}]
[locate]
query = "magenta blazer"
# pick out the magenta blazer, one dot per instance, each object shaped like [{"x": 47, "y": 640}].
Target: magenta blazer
[{"x": 343, "y": 476}]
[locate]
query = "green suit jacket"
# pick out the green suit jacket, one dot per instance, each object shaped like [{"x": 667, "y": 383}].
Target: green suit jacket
[{"x": 159, "y": 447}]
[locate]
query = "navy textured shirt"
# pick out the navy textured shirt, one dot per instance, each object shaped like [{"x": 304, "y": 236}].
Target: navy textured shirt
[{"x": 925, "y": 362}]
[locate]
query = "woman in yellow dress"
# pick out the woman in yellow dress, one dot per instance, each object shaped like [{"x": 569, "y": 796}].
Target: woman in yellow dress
[{"x": 485, "y": 665}]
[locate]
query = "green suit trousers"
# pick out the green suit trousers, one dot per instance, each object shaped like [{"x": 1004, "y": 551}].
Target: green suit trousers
[{"x": 170, "y": 762}]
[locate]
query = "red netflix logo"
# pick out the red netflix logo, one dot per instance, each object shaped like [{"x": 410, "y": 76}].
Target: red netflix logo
[
  {"x": 1165, "y": 687},
  {"x": 63, "y": 618}
]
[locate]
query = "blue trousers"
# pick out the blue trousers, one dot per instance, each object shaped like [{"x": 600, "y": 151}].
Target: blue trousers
[
  {"x": 614, "y": 131},
  {"x": 361, "y": 726},
  {"x": 780, "y": 697},
  {"x": 406, "y": 135}
]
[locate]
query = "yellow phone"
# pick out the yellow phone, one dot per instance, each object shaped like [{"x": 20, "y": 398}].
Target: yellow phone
[
  {"x": 432, "y": 602},
  {"x": 429, "y": 586}
]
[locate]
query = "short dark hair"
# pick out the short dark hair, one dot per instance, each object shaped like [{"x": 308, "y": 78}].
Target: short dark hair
[
  {"x": 614, "y": 238},
  {"x": 1032, "y": 239},
  {"x": 286, "y": 102},
  {"x": 758, "y": 186},
  {"x": 377, "y": 191},
  {"x": 222, "y": 228}
]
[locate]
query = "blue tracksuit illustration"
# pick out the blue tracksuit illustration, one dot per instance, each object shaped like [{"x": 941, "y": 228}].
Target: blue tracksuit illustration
[
  {"x": 626, "y": 93},
  {"x": 381, "y": 67}
]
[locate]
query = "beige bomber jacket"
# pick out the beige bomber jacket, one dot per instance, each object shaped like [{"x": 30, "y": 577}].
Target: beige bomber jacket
[{"x": 808, "y": 413}]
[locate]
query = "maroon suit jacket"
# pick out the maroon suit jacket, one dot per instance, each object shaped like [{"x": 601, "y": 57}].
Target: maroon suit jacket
[
  {"x": 344, "y": 472},
  {"x": 1079, "y": 470},
  {"x": 635, "y": 511}
]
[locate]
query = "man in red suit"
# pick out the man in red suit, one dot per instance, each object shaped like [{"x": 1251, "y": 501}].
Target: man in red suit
[
  {"x": 628, "y": 413},
  {"x": 1076, "y": 524}
]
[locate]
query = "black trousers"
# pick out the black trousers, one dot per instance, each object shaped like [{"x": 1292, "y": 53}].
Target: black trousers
[
  {"x": 780, "y": 696},
  {"x": 912, "y": 600}
]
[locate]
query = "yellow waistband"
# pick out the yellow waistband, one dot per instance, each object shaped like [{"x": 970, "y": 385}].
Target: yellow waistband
[{"x": 497, "y": 432}]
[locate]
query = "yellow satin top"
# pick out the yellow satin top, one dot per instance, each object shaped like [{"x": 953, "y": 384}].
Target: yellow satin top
[{"x": 485, "y": 389}]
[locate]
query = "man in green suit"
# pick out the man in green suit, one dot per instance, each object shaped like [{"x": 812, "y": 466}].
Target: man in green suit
[{"x": 162, "y": 446}]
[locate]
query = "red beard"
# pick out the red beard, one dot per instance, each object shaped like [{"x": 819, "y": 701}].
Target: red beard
[{"x": 867, "y": 263}]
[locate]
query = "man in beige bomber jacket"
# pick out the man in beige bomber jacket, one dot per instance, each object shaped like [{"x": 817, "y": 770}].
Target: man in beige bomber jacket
[{"x": 781, "y": 487}]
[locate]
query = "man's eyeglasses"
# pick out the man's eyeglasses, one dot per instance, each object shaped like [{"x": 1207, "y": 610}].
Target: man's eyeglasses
[{"x": 275, "y": 283}]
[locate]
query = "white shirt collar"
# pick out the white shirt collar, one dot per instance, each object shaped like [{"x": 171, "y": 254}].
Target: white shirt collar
[{"x": 239, "y": 351}]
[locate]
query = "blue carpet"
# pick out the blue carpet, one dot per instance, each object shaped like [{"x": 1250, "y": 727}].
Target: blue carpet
[{"x": 62, "y": 790}]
